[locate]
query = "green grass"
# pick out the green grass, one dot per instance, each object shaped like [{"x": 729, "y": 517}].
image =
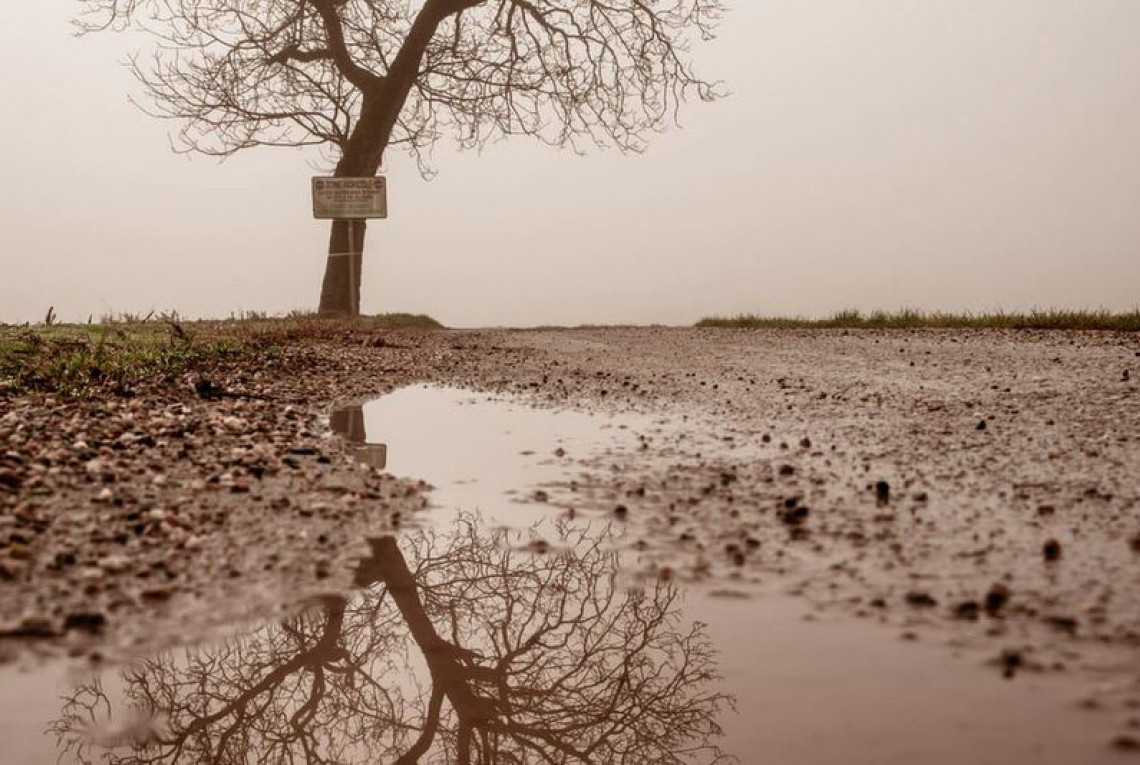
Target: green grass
[
  {"x": 122, "y": 352},
  {"x": 84, "y": 360},
  {"x": 914, "y": 319}
]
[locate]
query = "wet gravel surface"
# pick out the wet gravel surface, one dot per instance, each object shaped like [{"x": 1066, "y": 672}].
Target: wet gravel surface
[{"x": 977, "y": 487}]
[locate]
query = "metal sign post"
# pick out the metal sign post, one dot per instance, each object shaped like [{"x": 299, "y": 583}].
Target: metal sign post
[{"x": 348, "y": 200}]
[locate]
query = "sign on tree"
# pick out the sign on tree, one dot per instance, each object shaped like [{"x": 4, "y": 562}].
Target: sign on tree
[{"x": 350, "y": 198}]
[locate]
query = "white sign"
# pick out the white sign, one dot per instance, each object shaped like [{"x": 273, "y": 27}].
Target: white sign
[{"x": 350, "y": 197}]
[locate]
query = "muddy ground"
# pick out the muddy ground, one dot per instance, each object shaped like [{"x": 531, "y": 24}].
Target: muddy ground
[{"x": 978, "y": 487}]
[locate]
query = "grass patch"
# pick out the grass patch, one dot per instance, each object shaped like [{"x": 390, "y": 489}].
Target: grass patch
[
  {"x": 83, "y": 360},
  {"x": 122, "y": 352},
  {"x": 914, "y": 319}
]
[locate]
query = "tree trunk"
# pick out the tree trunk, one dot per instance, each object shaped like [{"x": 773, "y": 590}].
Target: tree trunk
[
  {"x": 340, "y": 290},
  {"x": 364, "y": 151},
  {"x": 448, "y": 673}
]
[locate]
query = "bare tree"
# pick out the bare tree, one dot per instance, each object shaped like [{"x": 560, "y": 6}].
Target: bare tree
[
  {"x": 461, "y": 649},
  {"x": 360, "y": 76}
]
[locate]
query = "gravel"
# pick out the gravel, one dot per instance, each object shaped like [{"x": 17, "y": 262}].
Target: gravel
[{"x": 981, "y": 485}]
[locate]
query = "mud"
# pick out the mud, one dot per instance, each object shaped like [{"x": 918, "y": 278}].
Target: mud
[{"x": 974, "y": 492}]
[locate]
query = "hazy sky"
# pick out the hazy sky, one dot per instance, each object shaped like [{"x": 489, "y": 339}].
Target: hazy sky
[{"x": 941, "y": 154}]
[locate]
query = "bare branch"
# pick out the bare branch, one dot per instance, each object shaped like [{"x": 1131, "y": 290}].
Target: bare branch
[{"x": 362, "y": 75}]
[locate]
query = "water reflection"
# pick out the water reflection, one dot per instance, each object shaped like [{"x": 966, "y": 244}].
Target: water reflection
[
  {"x": 461, "y": 647},
  {"x": 349, "y": 424}
]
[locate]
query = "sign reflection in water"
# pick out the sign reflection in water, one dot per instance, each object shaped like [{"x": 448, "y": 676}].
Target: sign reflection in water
[
  {"x": 463, "y": 646},
  {"x": 348, "y": 423}
]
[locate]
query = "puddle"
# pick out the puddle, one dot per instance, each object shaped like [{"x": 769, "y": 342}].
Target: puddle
[
  {"x": 476, "y": 450},
  {"x": 496, "y": 631}
]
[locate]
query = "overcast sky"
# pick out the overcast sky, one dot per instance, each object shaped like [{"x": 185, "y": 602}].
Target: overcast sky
[{"x": 942, "y": 154}]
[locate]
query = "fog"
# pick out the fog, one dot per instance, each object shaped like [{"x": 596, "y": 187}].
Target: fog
[{"x": 946, "y": 155}]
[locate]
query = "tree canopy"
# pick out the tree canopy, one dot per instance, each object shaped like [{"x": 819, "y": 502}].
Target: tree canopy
[{"x": 358, "y": 75}]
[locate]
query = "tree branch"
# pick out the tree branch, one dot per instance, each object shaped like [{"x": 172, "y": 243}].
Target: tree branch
[{"x": 338, "y": 48}]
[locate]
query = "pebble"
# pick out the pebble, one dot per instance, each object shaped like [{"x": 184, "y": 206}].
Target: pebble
[
  {"x": 11, "y": 570},
  {"x": 1126, "y": 742},
  {"x": 88, "y": 621},
  {"x": 996, "y": 598},
  {"x": 114, "y": 564},
  {"x": 920, "y": 599},
  {"x": 967, "y": 610},
  {"x": 883, "y": 492},
  {"x": 1051, "y": 550},
  {"x": 92, "y": 574},
  {"x": 1010, "y": 661}
]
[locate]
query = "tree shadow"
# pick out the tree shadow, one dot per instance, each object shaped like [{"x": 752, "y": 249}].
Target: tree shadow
[{"x": 461, "y": 647}]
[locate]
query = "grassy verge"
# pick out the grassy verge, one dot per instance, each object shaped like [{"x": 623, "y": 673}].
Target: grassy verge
[
  {"x": 911, "y": 319},
  {"x": 117, "y": 355}
]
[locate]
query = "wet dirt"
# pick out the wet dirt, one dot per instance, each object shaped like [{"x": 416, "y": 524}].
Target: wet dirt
[{"x": 545, "y": 599}]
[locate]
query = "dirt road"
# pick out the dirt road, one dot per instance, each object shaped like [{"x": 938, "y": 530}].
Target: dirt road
[{"x": 978, "y": 487}]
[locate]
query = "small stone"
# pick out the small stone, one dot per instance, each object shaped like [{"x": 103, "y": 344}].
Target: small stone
[
  {"x": 920, "y": 599},
  {"x": 92, "y": 574},
  {"x": 1126, "y": 742},
  {"x": 882, "y": 492},
  {"x": 1051, "y": 550},
  {"x": 805, "y": 443},
  {"x": 1066, "y": 624},
  {"x": 234, "y": 424},
  {"x": 11, "y": 570},
  {"x": 115, "y": 564},
  {"x": 996, "y": 598},
  {"x": 1010, "y": 661},
  {"x": 981, "y": 425},
  {"x": 967, "y": 609},
  {"x": 541, "y": 496},
  {"x": 88, "y": 621},
  {"x": 36, "y": 627},
  {"x": 157, "y": 594},
  {"x": 787, "y": 470},
  {"x": 621, "y": 512},
  {"x": 559, "y": 452},
  {"x": 795, "y": 516},
  {"x": 19, "y": 551}
]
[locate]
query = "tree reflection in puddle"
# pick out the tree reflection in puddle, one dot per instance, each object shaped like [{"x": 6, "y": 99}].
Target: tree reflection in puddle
[{"x": 461, "y": 647}]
